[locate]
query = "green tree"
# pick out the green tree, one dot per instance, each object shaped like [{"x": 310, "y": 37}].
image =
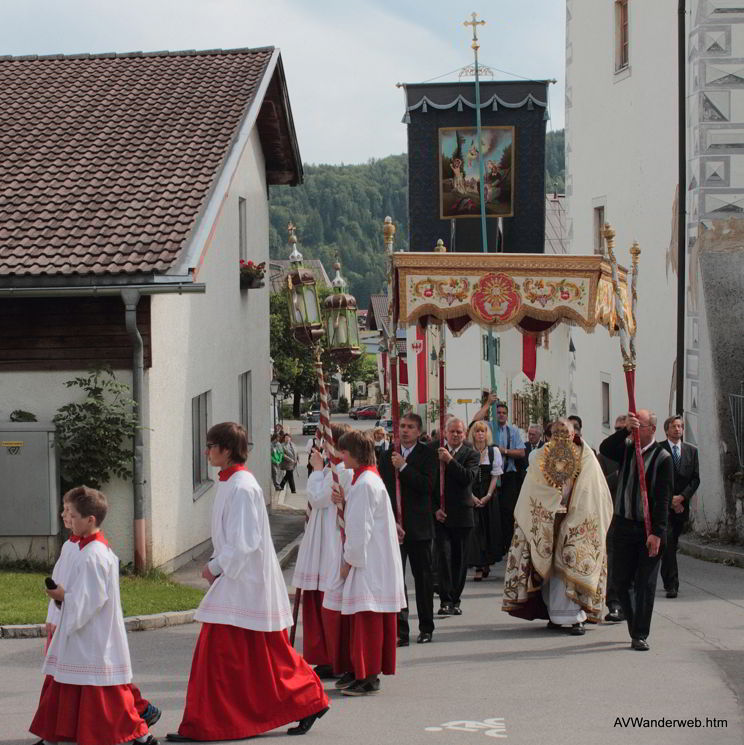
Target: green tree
[{"x": 94, "y": 436}]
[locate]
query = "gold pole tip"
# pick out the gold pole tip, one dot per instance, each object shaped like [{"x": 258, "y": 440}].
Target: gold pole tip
[{"x": 609, "y": 231}]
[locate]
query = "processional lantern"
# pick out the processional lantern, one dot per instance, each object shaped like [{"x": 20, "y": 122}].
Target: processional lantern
[
  {"x": 304, "y": 308},
  {"x": 342, "y": 325}
]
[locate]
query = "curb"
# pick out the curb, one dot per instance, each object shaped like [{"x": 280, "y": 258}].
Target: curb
[
  {"x": 707, "y": 552},
  {"x": 145, "y": 623}
]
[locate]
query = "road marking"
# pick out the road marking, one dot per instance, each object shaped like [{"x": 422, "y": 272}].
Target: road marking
[{"x": 493, "y": 727}]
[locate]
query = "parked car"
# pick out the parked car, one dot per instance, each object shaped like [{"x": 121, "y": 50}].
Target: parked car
[
  {"x": 368, "y": 412},
  {"x": 353, "y": 411},
  {"x": 386, "y": 424},
  {"x": 311, "y": 423}
]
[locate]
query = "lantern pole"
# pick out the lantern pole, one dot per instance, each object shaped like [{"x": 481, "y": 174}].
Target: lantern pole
[
  {"x": 388, "y": 232},
  {"x": 307, "y": 328},
  {"x": 627, "y": 331}
]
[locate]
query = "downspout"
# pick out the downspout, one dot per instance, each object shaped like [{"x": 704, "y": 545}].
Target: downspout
[{"x": 131, "y": 299}]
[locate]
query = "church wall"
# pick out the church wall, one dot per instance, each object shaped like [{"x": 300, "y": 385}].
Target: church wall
[{"x": 621, "y": 156}]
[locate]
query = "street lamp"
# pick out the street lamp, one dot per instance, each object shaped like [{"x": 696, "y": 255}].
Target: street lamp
[
  {"x": 274, "y": 388},
  {"x": 342, "y": 325}
]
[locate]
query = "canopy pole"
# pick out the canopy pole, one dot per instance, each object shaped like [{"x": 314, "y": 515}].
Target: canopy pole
[
  {"x": 388, "y": 232},
  {"x": 627, "y": 349}
]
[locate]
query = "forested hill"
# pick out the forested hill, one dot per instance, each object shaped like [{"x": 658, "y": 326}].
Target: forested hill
[{"x": 339, "y": 211}]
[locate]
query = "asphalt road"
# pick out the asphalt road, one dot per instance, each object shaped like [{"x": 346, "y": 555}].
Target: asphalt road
[{"x": 490, "y": 676}]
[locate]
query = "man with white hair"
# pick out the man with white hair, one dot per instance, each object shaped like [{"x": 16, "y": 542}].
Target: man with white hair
[
  {"x": 455, "y": 521},
  {"x": 635, "y": 556}
]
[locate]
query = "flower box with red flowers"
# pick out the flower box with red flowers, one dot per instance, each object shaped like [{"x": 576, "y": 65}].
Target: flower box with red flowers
[{"x": 251, "y": 274}]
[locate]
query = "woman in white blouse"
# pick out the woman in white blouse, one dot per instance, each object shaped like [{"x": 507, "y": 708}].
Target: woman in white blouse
[{"x": 485, "y": 542}]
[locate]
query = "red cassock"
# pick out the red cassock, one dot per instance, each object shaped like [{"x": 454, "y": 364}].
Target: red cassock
[
  {"x": 86, "y": 714},
  {"x": 325, "y": 634},
  {"x": 245, "y": 682},
  {"x": 373, "y": 642}
]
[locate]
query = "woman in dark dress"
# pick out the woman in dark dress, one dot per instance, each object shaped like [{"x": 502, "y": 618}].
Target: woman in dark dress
[{"x": 484, "y": 547}]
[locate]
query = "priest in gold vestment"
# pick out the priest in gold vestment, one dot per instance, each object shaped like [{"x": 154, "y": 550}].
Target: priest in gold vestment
[{"x": 556, "y": 568}]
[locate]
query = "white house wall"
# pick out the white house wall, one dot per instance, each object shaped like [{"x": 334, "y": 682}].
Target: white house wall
[
  {"x": 621, "y": 153},
  {"x": 203, "y": 343}
]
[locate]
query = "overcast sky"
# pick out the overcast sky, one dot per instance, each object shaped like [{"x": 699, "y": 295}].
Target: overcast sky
[{"x": 342, "y": 57}]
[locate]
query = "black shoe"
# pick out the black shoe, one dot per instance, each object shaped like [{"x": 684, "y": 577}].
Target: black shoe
[
  {"x": 151, "y": 740},
  {"x": 362, "y": 688},
  {"x": 303, "y": 726},
  {"x": 424, "y": 638},
  {"x": 445, "y": 610},
  {"x": 345, "y": 681},
  {"x": 402, "y": 643},
  {"x": 324, "y": 672},
  {"x": 639, "y": 644},
  {"x": 671, "y": 593},
  {"x": 151, "y": 715},
  {"x": 615, "y": 616},
  {"x": 175, "y": 737},
  {"x": 456, "y": 610},
  {"x": 577, "y": 629},
  {"x": 554, "y": 626}
]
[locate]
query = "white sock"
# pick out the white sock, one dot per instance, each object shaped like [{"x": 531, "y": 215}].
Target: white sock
[{"x": 143, "y": 738}]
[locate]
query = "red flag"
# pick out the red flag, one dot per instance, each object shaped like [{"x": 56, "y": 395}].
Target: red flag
[{"x": 529, "y": 355}]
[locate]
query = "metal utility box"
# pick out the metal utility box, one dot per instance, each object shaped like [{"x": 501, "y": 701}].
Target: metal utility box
[{"x": 29, "y": 482}]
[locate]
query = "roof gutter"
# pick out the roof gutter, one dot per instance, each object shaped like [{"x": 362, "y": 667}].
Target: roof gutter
[{"x": 102, "y": 290}]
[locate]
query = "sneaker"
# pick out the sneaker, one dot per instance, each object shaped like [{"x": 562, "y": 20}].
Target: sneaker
[
  {"x": 345, "y": 681},
  {"x": 362, "y": 688},
  {"x": 151, "y": 715}
]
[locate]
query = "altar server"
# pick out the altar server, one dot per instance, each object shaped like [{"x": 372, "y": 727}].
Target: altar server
[
  {"x": 245, "y": 677},
  {"x": 373, "y": 590},
  {"x": 61, "y": 574},
  {"x": 318, "y": 568},
  {"x": 86, "y": 697}
]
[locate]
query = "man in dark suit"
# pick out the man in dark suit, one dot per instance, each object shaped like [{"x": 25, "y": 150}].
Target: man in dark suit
[
  {"x": 686, "y": 482},
  {"x": 454, "y": 523},
  {"x": 417, "y": 467},
  {"x": 635, "y": 556},
  {"x": 609, "y": 468}
]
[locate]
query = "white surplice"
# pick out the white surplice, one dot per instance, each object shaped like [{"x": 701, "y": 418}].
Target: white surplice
[
  {"x": 90, "y": 646},
  {"x": 375, "y": 580},
  {"x": 561, "y": 609},
  {"x": 250, "y": 590},
  {"x": 319, "y": 558},
  {"x": 61, "y": 575}
]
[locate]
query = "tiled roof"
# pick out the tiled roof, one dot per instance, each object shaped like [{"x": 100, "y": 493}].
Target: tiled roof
[
  {"x": 555, "y": 224},
  {"x": 107, "y": 160},
  {"x": 377, "y": 316}
]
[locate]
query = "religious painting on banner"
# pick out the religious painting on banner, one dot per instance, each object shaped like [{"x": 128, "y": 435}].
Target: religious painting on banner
[{"x": 459, "y": 169}]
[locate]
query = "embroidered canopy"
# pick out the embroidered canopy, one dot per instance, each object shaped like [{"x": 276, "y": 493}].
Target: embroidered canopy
[{"x": 534, "y": 292}]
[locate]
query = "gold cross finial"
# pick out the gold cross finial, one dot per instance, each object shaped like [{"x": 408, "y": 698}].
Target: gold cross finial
[{"x": 474, "y": 23}]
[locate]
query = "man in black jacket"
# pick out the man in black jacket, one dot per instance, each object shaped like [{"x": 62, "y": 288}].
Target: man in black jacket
[
  {"x": 635, "y": 556},
  {"x": 454, "y": 523},
  {"x": 417, "y": 467},
  {"x": 686, "y": 482}
]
